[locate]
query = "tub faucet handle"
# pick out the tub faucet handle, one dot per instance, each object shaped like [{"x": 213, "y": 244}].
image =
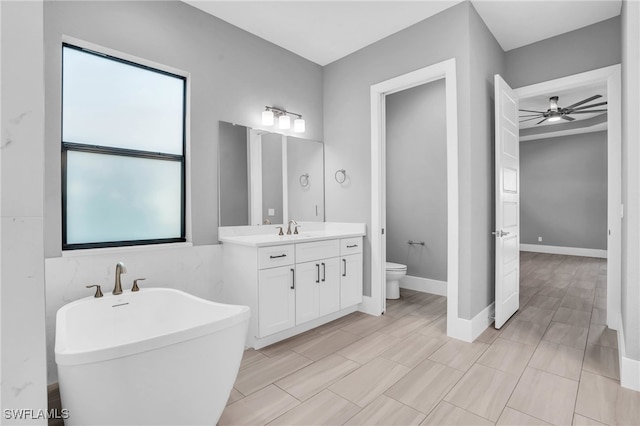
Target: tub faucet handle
[
  {"x": 98, "y": 290},
  {"x": 135, "y": 284}
]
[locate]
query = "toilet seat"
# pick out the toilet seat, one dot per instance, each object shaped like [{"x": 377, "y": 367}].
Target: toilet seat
[{"x": 390, "y": 266}]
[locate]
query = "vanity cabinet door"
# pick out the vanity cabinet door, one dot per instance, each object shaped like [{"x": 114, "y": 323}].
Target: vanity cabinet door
[
  {"x": 350, "y": 280},
  {"x": 308, "y": 276},
  {"x": 276, "y": 300},
  {"x": 329, "y": 286}
]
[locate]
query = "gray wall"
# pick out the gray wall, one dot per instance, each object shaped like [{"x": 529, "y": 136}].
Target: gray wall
[
  {"x": 272, "y": 177},
  {"x": 305, "y": 157},
  {"x": 585, "y": 49},
  {"x": 416, "y": 177},
  {"x": 563, "y": 184},
  {"x": 234, "y": 185},
  {"x": 459, "y": 33},
  {"x": 231, "y": 77}
]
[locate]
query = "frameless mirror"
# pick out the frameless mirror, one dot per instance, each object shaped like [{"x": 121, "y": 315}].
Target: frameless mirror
[{"x": 268, "y": 178}]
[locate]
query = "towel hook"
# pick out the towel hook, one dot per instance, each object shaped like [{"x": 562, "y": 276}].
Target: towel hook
[
  {"x": 340, "y": 176},
  {"x": 304, "y": 180}
]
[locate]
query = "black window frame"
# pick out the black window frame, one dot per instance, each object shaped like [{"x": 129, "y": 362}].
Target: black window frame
[{"x": 67, "y": 146}]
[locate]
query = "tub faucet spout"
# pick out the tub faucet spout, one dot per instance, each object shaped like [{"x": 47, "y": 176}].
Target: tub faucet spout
[{"x": 120, "y": 269}]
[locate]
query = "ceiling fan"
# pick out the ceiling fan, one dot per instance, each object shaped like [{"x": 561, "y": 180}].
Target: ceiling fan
[{"x": 556, "y": 113}]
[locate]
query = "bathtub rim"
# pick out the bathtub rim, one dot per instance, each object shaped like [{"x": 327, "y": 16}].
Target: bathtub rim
[{"x": 67, "y": 357}]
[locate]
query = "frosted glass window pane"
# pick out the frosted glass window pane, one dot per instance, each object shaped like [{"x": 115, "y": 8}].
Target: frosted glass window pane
[
  {"x": 116, "y": 198},
  {"x": 113, "y": 104}
]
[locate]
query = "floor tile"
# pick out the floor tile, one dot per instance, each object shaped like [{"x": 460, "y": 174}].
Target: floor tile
[
  {"x": 546, "y": 396},
  {"x": 437, "y": 327},
  {"x": 325, "y": 408},
  {"x": 286, "y": 345},
  {"x": 387, "y": 411},
  {"x": 558, "y": 359},
  {"x": 249, "y": 357},
  {"x": 399, "y": 310},
  {"x": 234, "y": 396},
  {"x": 545, "y": 302},
  {"x": 450, "y": 415},
  {"x": 604, "y": 400},
  {"x": 489, "y": 335},
  {"x": 536, "y": 314},
  {"x": 581, "y": 292},
  {"x": 600, "y": 302},
  {"x": 458, "y": 354},
  {"x": 602, "y": 360},
  {"x": 259, "y": 408},
  {"x": 603, "y": 336},
  {"x": 310, "y": 380},
  {"x": 579, "y": 420},
  {"x": 425, "y": 386},
  {"x": 552, "y": 292},
  {"x": 526, "y": 332},
  {"x": 584, "y": 283},
  {"x": 508, "y": 356},
  {"x": 404, "y": 326},
  {"x": 338, "y": 323},
  {"x": 415, "y": 348},
  {"x": 483, "y": 391},
  {"x": 577, "y": 303},
  {"x": 572, "y": 317},
  {"x": 266, "y": 371},
  {"x": 369, "y": 381},
  {"x": 565, "y": 334},
  {"x": 433, "y": 309},
  {"x": 368, "y": 324},
  {"x": 325, "y": 344},
  {"x": 369, "y": 347},
  {"x": 511, "y": 417}
]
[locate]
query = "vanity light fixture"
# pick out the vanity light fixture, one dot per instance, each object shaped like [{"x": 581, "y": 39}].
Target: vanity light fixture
[{"x": 284, "y": 121}]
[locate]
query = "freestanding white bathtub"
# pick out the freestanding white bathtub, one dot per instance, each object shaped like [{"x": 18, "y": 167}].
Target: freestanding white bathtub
[{"x": 154, "y": 357}]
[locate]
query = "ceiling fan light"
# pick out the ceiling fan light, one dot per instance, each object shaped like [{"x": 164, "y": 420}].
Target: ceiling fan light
[{"x": 554, "y": 118}]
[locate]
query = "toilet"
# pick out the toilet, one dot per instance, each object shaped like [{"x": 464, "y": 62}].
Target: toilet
[{"x": 394, "y": 273}]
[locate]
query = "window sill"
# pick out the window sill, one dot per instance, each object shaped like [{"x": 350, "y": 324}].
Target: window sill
[{"x": 124, "y": 249}]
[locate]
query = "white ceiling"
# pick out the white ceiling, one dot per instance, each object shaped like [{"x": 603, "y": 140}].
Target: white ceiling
[{"x": 325, "y": 31}]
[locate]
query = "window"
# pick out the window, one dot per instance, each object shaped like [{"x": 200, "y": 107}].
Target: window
[{"x": 123, "y": 143}]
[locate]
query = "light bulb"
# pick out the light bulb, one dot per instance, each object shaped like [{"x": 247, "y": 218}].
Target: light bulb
[
  {"x": 267, "y": 118},
  {"x": 298, "y": 125},
  {"x": 554, "y": 118},
  {"x": 284, "y": 122}
]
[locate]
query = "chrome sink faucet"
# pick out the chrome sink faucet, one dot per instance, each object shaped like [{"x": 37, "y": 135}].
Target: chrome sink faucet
[
  {"x": 295, "y": 224},
  {"x": 120, "y": 269}
]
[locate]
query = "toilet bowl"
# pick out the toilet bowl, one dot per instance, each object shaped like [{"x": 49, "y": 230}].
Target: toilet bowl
[{"x": 394, "y": 273}]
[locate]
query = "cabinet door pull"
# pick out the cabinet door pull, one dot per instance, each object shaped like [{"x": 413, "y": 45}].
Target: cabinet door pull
[
  {"x": 324, "y": 272},
  {"x": 344, "y": 263},
  {"x": 353, "y": 246},
  {"x": 317, "y": 273},
  {"x": 293, "y": 279},
  {"x": 278, "y": 256}
]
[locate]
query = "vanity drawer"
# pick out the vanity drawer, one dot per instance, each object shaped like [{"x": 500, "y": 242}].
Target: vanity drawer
[
  {"x": 270, "y": 257},
  {"x": 350, "y": 246},
  {"x": 306, "y": 252}
]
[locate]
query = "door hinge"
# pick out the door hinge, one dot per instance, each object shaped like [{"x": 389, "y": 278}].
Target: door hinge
[{"x": 621, "y": 211}]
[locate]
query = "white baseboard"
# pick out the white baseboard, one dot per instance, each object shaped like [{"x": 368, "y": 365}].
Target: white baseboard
[
  {"x": 469, "y": 330},
  {"x": 424, "y": 285},
  {"x": 571, "y": 251},
  {"x": 629, "y": 368}
]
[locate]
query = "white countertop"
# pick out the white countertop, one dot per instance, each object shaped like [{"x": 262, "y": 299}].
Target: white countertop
[{"x": 261, "y": 236}]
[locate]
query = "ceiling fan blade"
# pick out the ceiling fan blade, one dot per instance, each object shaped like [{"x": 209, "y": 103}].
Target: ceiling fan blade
[
  {"x": 529, "y": 119},
  {"x": 566, "y": 117},
  {"x": 584, "y": 101},
  {"x": 532, "y": 115},
  {"x": 589, "y": 106},
  {"x": 542, "y": 121},
  {"x": 528, "y": 110},
  {"x": 588, "y": 112}
]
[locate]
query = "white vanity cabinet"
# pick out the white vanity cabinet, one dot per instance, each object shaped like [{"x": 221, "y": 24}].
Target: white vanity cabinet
[{"x": 292, "y": 288}]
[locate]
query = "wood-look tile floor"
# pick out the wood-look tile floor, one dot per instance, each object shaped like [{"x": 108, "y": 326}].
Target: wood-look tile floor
[{"x": 554, "y": 362}]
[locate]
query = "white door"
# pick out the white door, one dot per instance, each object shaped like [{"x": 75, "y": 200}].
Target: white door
[
  {"x": 329, "y": 287},
  {"x": 308, "y": 277},
  {"x": 351, "y": 280},
  {"x": 507, "y": 231}
]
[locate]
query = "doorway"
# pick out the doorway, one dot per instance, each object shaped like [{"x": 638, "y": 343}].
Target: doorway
[
  {"x": 610, "y": 78},
  {"x": 375, "y": 304}
]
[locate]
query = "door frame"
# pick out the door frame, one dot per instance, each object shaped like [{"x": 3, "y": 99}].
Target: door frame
[
  {"x": 376, "y": 303},
  {"x": 612, "y": 76}
]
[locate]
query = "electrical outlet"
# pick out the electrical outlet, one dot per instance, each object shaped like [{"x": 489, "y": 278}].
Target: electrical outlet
[
  {"x": 539, "y": 239},
  {"x": 271, "y": 212}
]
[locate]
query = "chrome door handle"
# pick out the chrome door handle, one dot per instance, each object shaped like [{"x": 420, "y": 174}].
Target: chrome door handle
[{"x": 499, "y": 233}]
